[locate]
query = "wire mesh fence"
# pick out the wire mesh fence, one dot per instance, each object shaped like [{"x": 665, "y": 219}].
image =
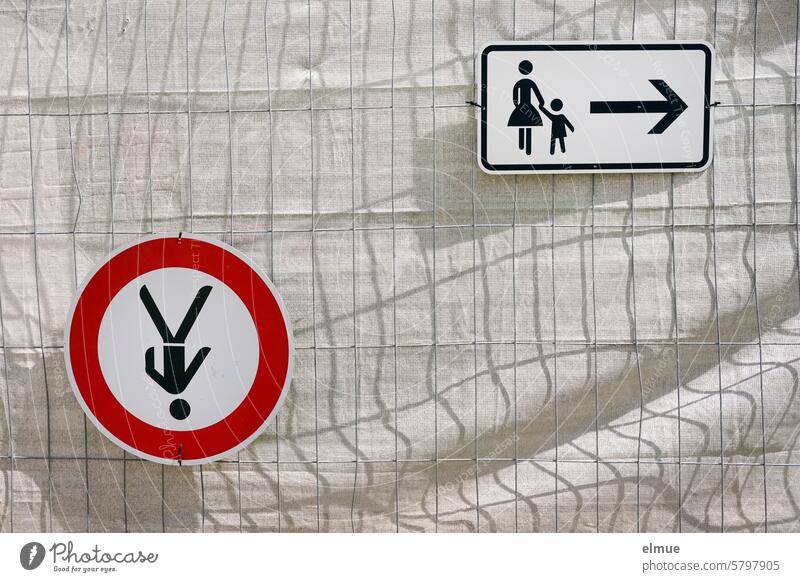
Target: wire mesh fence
[{"x": 474, "y": 353}]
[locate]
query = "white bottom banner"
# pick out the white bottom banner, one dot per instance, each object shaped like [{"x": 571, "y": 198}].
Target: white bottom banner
[{"x": 397, "y": 557}]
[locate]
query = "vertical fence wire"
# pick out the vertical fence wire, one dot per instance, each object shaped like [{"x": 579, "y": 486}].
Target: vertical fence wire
[
  {"x": 434, "y": 213},
  {"x": 515, "y": 324},
  {"x": 559, "y": 345},
  {"x": 394, "y": 277},
  {"x": 556, "y": 478},
  {"x": 755, "y": 297},
  {"x": 271, "y": 189},
  {"x": 313, "y": 258}
]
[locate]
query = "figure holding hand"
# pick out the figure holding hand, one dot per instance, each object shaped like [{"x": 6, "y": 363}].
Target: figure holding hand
[
  {"x": 558, "y": 125},
  {"x": 525, "y": 117}
]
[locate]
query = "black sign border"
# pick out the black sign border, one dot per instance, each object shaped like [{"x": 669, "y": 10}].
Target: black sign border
[{"x": 592, "y": 47}]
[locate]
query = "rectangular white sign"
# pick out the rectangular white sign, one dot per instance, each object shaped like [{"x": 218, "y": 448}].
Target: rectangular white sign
[{"x": 565, "y": 107}]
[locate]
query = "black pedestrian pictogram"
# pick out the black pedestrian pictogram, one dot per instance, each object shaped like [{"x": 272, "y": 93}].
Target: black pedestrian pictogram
[
  {"x": 525, "y": 115},
  {"x": 671, "y": 105},
  {"x": 177, "y": 376},
  {"x": 558, "y": 125}
]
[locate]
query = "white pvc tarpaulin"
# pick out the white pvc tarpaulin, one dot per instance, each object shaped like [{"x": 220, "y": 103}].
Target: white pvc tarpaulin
[{"x": 578, "y": 353}]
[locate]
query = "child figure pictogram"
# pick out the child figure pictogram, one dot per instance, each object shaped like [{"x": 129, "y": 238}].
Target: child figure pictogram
[{"x": 558, "y": 125}]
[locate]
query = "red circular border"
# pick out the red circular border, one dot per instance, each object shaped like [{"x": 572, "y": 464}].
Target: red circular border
[{"x": 190, "y": 253}]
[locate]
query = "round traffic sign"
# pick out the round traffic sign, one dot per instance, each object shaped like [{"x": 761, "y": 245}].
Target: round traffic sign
[{"x": 178, "y": 349}]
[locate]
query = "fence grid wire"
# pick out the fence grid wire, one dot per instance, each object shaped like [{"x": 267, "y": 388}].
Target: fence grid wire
[{"x": 594, "y": 353}]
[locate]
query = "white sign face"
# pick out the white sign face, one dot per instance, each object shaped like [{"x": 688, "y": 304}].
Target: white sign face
[
  {"x": 223, "y": 334},
  {"x": 566, "y": 107}
]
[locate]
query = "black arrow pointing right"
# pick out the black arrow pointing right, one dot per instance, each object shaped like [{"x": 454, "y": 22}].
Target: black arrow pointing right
[{"x": 672, "y": 106}]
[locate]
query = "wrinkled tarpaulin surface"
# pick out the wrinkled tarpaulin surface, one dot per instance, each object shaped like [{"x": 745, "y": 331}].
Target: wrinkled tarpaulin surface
[{"x": 631, "y": 341}]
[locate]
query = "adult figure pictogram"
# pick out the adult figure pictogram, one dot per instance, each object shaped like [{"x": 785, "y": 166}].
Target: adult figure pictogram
[{"x": 525, "y": 116}]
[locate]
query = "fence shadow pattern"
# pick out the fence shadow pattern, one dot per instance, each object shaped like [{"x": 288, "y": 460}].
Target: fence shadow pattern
[{"x": 474, "y": 353}]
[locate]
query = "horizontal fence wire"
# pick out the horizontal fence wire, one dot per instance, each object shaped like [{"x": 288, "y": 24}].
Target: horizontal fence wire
[{"x": 444, "y": 501}]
